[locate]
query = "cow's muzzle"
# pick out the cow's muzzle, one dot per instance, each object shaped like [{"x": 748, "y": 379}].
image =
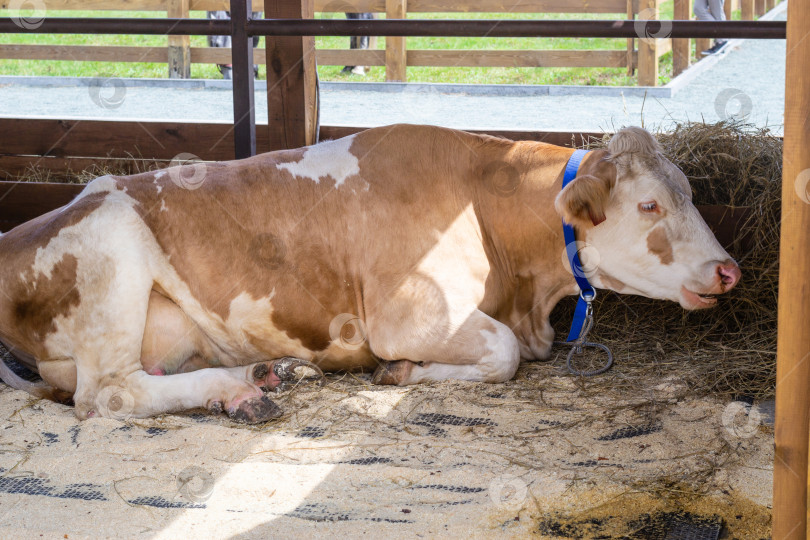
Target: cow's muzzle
[{"x": 726, "y": 275}]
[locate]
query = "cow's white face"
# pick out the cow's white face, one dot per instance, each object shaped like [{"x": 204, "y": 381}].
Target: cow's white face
[{"x": 644, "y": 234}]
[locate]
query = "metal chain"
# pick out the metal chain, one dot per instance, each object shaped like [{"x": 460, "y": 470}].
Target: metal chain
[{"x": 580, "y": 343}]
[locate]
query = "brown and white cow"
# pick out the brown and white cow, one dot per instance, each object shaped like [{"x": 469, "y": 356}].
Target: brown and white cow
[{"x": 424, "y": 253}]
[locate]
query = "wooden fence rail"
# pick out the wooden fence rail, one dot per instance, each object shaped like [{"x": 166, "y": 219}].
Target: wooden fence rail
[{"x": 640, "y": 54}]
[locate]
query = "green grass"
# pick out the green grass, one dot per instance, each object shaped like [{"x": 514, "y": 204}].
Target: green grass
[{"x": 590, "y": 76}]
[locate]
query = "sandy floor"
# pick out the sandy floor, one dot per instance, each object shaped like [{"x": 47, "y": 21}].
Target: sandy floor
[{"x": 536, "y": 456}]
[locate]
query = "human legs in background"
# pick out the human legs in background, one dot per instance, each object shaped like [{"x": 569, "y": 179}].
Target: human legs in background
[{"x": 711, "y": 10}]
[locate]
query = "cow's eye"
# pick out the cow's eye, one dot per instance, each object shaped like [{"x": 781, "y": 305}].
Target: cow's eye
[{"x": 649, "y": 207}]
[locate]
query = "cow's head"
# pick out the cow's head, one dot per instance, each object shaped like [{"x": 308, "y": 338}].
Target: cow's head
[{"x": 634, "y": 209}]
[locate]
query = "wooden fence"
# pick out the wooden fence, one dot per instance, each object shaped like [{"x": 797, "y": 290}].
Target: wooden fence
[{"x": 640, "y": 54}]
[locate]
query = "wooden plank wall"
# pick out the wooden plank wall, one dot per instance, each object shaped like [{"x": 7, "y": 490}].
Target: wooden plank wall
[{"x": 62, "y": 145}]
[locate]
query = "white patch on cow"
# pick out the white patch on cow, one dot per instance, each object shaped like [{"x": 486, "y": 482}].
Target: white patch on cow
[
  {"x": 498, "y": 363},
  {"x": 102, "y": 184},
  {"x": 466, "y": 275},
  {"x": 155, "y": 181},
  {"x": 163, "y": 207},
  {"x": 103, "y": 333},
  {"x": 331, "y": 158},
  {"x": 47, "y": 257}
]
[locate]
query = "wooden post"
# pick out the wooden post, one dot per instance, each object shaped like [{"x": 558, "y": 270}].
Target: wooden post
[
  {"x": 244, "y": 111},
  {"x": 179, "y": 48},
  {"x": 631, "y": 43},
  {"x": 790, "y": 473},
  {"x": 760, "y": 7},
  {"x": 648, "y": 48},
  {"x": 291, "y": 80},
  {"x": 747, "y": 10},
  {"x": 681, "y": 48},
  {"x": 395, "y": 53},
  {"x": 701, "y": 44}
]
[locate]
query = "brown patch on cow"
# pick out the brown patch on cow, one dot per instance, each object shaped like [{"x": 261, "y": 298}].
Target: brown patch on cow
[
  {"x": 253, "y": 250},
  {"x": 612, "y": 283},
  {"x": 37, "y": 310},
  {"x": 658, "y": 244}
]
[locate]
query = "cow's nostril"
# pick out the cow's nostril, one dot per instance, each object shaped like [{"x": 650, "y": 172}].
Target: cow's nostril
[{"x": 729, "y": 274}]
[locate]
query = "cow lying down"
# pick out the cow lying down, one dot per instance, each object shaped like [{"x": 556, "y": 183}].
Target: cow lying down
[{"x": 418, "y": 252}]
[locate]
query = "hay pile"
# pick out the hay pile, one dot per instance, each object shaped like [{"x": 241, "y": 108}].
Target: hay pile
[{"x": 729, "y": 350}]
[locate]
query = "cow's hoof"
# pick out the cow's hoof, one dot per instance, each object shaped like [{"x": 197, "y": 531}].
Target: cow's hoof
[
  {"x": 282, "y": 373},
  {"x": 392, "y": 373},
  {"x": 215, "y": 407},
  {"x": 254, "y": 410}
]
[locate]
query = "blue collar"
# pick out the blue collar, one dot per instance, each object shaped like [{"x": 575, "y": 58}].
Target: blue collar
[{"x": 587, "y": 293}]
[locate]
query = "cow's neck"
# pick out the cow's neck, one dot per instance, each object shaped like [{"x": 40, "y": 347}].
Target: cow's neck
[{"x": 522, "y": 232}]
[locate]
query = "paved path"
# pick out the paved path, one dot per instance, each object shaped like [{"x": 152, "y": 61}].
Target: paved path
[{"x": 748, "y": 78}]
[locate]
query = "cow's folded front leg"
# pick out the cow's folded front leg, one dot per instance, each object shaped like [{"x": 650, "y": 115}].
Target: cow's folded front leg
[
  {"x": 279, "y": 374},
  {"x": 481, "y": 349},
  {"x": 216, "y": 389}
]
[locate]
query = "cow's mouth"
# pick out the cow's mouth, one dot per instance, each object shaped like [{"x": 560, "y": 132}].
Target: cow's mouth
[{"x": 696, "y": 300}]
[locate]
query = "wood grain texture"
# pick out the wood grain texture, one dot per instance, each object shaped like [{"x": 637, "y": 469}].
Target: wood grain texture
[
  {"x": 291, "y": 81},
  {"x": 179, "y": 55},
  {"x": 792, "y": 429}
]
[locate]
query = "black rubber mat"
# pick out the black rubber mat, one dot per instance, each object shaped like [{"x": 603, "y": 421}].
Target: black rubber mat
[
  {"x": 29, "y": 485},
  {"x": 367, "y": 461},
  {"x": 310, "y": 432},
  {"x": 17, "y": 368},
  {"x": 450, "y": 420},
  {"x": 677, "y": 526},
  {"x": 434, "y": 420},
  {"x": 631, "y": 431},
  {"x": 161, "y": 502},
  {"x": 321, "y": 512},
  {"x": 658, "y": 526},
  {"x": 452, "y": 489}
]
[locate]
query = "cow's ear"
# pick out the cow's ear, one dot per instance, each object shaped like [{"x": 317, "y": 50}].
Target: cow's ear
[{"x": 582, "y": 203}]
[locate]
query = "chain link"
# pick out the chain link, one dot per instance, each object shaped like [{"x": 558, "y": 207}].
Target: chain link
[{"x": 580, "y": 343}]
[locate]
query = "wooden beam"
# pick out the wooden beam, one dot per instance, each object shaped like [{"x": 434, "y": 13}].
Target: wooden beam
[
  {"x": 23, "y": 201},
  {"x": 648, "y": 47},
  {"x": 747, "y": 10},
  {"x": 360, "y": 6},
  {"x": 77, "y": 144},
  {"x": 82, "y": 53},
  {"x": 681, "y": 48},
  {"x": 179, "y": 54},
  {"x": 49, "y": 168},
  {"x": 517, "y": 58},
  {"x": 395, "y": 53},
  {"x": 350, "y": 57},
  {"x": 335, "y": 57},
  {"x": 117, "y": 139},
  {"x": 291, "y": 81},
  {"x": 631, "y": 43},
  {"x": 790, "y": 473}
]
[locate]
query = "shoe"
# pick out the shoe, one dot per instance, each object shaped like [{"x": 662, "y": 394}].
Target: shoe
[{"x": 714, "y": 49}]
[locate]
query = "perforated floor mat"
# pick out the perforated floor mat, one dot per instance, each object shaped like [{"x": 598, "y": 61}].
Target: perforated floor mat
[
  {"x": 352, "y": 460},
  {"x": 678, "y": 526}
]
